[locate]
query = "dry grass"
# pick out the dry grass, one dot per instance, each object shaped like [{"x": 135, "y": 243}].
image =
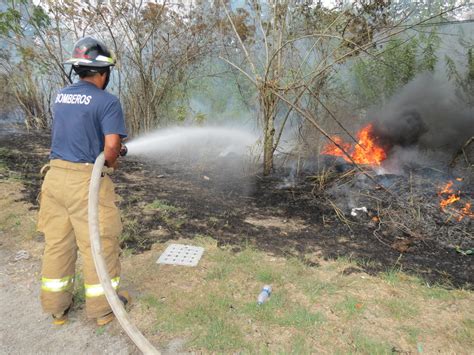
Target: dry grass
[{"x": 17, "y": 222}]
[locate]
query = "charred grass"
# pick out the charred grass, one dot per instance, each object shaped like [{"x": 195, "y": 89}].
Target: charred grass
[{"x": 307, "y": 219}]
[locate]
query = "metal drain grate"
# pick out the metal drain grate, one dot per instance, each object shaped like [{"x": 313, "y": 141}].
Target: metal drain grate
[{"x": 180, "y": 254}]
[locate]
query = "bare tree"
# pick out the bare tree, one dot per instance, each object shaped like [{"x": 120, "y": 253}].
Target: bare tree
[
  {"x": 33, "y": 60},
  {"x": 156, "y": 45},
  {"x": 302, "y": 46}
]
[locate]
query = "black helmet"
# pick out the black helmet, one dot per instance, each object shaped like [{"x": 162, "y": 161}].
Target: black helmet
[
  {"x": 91, "y": 53},
  {"x": 90, "y": 56}
]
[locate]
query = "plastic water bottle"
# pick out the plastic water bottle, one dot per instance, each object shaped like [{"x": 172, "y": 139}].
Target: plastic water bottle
[{"x": 263, "y": 296}]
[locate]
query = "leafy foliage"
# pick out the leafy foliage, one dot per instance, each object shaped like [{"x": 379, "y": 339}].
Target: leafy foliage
[
  {"x": 380, "y": 75},
  {"x": 463, "y": 78},
  {"x": 10, "y": 22}
]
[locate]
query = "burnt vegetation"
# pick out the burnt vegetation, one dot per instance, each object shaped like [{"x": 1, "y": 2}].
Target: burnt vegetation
[{"x": 403, "y": 227}]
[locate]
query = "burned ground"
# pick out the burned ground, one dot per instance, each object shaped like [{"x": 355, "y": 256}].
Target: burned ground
[{"x": 402, "y": 229}]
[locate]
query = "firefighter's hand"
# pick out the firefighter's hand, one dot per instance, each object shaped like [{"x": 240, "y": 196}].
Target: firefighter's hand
[
  {"x": 112, "y": 149},
  {"x": 114, "y": 165}
]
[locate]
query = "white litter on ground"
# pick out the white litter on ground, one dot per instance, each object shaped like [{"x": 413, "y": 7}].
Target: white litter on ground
[
  {"x": 180, "y": 254},
  {"x": 354, "y": 210}
]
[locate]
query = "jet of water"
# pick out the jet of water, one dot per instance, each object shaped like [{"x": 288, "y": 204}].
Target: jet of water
[{"x": 219, "y": 141}]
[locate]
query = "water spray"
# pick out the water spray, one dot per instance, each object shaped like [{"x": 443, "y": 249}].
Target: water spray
[{"x": 168, "y": 141}]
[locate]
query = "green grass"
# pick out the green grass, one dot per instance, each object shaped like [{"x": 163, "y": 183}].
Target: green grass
[
  {"x": 246, "y": 258},
  {"x": 131, "y": 230},
  {"x": 208, "y": 320},
  {"x": 412, "y": 334},
  {"x": 162, "y": 206},
  {"x": 79, "y": 293},
  {"x": 219, "y": 272},
  {"x": 437, "y": 293},
  {"x": 400, "y": 308},
  {"x": 13, "y": 219},
  {"x": 392, "y": 277},
  {"x": 204, "y": 240},
  {"x": 311, "y": 309},
  {"x": 269, "y": 312},
  {"x": 268, "y": 275},
  {"x": 164, "y": 322},
  {"x": 350, "y": 307},
  {"x": 316, "y": 289},
  {"x": 367, "y": 345},
  {"x": 173, "y": 216},
  {"x": 3, "y": 167},
  {"x": 465, "y": 332},
  {"x": 279, "y": 310},
  {"x": 100, "y": 330},
  {"x": 300, "y": 317},
  {"x": 152, "y": 302},
  {"x": 213, "y": 221},
  {"x": 6, "y": 154},
  {"x": 300, "y": 345},
  {"x": 221, "y": 335},
  {"x": 174, "y": 223}
]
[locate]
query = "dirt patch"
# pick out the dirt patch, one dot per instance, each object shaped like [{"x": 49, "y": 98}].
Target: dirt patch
[
  {"x": 284, "y": 225},
  {"x": 24, "y": 328},
  {"x": 230, "y": 211}
]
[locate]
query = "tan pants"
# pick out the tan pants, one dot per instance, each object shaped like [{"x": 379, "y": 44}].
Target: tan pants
[{"x": 64, "y": 221}]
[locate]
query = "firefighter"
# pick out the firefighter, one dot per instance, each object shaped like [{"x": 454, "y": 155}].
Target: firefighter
[{"x": 86, "y": 121}]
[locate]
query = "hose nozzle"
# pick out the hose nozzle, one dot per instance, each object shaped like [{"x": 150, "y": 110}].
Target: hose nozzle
[{"x": 123, "y": 150}]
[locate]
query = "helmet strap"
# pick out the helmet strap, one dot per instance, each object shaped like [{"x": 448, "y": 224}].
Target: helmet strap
[
  {"x": 107, "y": 78},
  {"x": 70, "y": 75}
]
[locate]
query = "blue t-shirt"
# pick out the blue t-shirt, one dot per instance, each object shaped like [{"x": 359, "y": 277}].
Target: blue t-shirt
[{"x": 82, "y": 115}]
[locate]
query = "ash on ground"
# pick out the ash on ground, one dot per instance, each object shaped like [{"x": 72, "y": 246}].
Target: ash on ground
[{"x": 404, "y": 210}]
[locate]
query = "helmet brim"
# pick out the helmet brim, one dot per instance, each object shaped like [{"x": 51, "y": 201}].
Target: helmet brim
[{"x": 80, "y": 62}]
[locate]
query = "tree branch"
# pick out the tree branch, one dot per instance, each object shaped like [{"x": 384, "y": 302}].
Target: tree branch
[{"x": 247, "y": 55}]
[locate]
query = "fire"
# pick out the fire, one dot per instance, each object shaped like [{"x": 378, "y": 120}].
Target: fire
[
  {"x": 448, "y": 197},
  {"x": 449, "y": 201},
  {"x": 367, "y": 151},
  {"x": 467, "y": 210}
]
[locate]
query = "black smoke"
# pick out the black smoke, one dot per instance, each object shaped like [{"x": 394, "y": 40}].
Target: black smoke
[{"x": 424, "y": 117}]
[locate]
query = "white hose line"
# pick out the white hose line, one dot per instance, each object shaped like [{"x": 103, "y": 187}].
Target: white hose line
[{"x": 117, "y": 307}]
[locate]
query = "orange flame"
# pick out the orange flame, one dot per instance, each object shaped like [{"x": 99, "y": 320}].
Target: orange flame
[
  {"x": 451, "y": 198},
  {"x": 465, "y": 212},
  {"x": 449, "y": 201},
  {"x": 447, "y": 189},
  {"x": 367, "y": 151}
]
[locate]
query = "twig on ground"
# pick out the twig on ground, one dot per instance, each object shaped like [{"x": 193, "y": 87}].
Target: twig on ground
[
  {"x": 398, "y": 259},
  {"x": 340, "y": 214}
]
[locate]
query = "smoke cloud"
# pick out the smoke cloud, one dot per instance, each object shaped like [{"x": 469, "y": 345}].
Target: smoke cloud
[{"x": 425, "y": 118}]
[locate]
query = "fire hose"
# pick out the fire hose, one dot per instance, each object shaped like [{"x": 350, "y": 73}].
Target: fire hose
[{"x": 117, "y": 307}]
